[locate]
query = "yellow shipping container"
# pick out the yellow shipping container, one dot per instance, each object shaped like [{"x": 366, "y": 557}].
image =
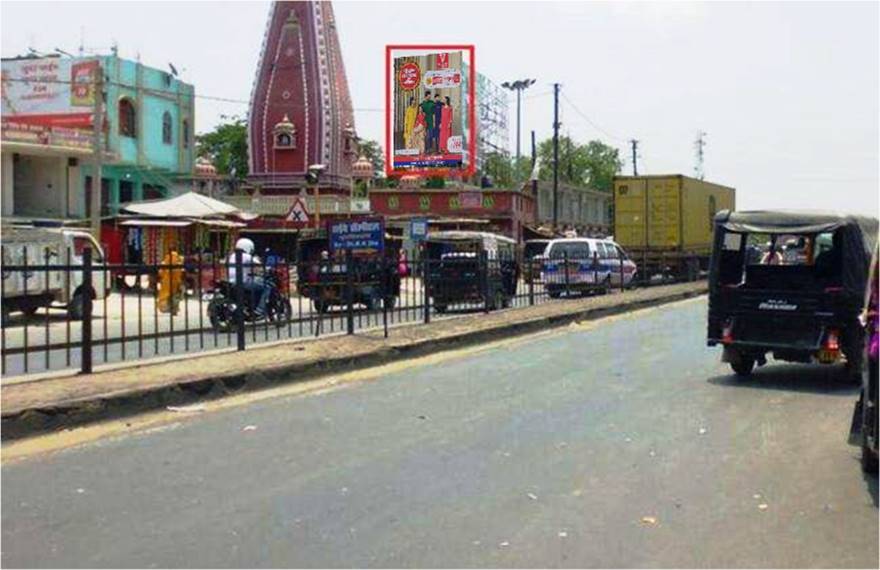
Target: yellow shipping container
[{"x": 672, "y": 214}]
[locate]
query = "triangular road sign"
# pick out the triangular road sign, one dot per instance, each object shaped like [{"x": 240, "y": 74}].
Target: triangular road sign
[{"x": 298, "y": 213}]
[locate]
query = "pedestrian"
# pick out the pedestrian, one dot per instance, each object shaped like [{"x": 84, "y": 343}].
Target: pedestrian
[{"x": 170, "y": 282}]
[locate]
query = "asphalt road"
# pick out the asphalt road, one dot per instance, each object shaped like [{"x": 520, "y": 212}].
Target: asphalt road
[{"x": 623, "y": 443}]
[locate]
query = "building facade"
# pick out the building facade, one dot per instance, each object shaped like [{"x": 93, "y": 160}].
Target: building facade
[{"x": 146, "y": 134}]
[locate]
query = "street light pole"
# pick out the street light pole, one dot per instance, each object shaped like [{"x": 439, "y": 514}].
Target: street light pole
[{"x": 519, "y": 86}]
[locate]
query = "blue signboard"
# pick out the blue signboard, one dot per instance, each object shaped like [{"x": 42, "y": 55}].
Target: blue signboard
[
  {"x": 418, "y": 229},
  {"x": 361, "y": 235}
]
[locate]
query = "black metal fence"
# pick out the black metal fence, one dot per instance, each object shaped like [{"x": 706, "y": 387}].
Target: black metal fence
[{"x": 78, "y": 312}]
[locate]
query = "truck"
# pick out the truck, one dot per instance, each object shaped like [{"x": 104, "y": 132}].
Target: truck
[
  {"x": 665, "y": 222},
  {"x": 57, "y": 280}
]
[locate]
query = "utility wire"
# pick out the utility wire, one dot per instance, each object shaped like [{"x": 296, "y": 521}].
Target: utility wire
[
  {"x": 590, "y": 121},
  {"x": 167, "y": 93}
]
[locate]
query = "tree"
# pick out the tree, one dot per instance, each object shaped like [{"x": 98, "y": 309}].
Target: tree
[
  {"x": 226, "y": 146},
  {"x": 593, "y": 164},
  {"x": 373, "y": 152},
  {"x": 506, "y": 172}
]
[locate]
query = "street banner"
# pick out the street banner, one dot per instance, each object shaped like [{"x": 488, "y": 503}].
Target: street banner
[
  {"x": 50, "y": 91},
  {"x": 430, "y": 107},
  {"x": 364, "y": 235}
]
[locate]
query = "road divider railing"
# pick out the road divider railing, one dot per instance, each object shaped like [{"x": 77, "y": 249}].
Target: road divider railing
[{"x": 81, "y": 311}]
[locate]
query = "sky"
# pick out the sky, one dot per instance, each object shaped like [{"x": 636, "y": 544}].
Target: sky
[{"x": 788, "y": 94}]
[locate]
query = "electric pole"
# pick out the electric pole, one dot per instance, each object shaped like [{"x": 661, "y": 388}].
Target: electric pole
[
  {"x": 555, "y": 154},
  {"x": 534, "y": 162},
  {"x": 635, "y": 145},
  {"x": 698, "y": 147},
  {"x": 98, "y": 152}
]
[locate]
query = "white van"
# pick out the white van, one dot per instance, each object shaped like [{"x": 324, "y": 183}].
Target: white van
[
  {"x": 26, "y": 291},
  {"x": 592, "y": 265}
]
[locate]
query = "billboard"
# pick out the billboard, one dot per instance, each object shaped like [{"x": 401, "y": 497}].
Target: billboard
[
  {"x": 429, "y": 106},
  {"x": 50, "y": 91}
]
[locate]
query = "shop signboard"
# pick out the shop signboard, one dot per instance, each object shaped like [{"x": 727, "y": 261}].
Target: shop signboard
[
  {"x": 360, "y": 235},
  {"x": 50, "y": 91}
]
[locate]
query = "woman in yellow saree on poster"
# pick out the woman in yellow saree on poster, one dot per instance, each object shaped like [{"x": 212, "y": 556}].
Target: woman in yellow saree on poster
[{"x": 409, "y": 122}]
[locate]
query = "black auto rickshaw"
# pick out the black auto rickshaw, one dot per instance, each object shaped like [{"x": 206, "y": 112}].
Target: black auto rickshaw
[
  {"x": 467, "y": 267},
  {"x": 533, "y": 253},
  {"x": 789, "y": 284},
  {"x": 323, "y": 275}
]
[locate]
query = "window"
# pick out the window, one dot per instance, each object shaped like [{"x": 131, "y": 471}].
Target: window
[
  {"x": 185, "y": 133},
  {"x": 126, "y": 191},
  {"x": 166, "y": 128},
  {"x": 284, "y": 140},
  {"x": 127, "y": 118}
]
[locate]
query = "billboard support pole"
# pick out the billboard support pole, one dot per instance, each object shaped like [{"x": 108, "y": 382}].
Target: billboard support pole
[{"x": 97, "y": 127}]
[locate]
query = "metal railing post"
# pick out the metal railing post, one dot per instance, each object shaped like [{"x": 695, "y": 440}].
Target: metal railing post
[
  {"x": 566, "y": 276},
  {"x": 426, "y": 288},
  {"x": 620, "y": 260},
  {"x": 596, "y": 269},
  {"x": 484, "y": 272},
  {"x": 349, "y": 293},
  {"x": 86, "y": 288},
  {"x": 531, "y": 263},
  {"x": 239, "y": 300}
]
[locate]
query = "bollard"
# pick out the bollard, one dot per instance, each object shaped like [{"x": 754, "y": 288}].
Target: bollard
[
  {"x": 86, "y": 294},
  {"x": 239, "y": 300}
]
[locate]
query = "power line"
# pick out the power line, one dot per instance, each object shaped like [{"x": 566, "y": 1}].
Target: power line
[
  {"x": 590, "y": 121},
  {"x": 184, "y": 95}
]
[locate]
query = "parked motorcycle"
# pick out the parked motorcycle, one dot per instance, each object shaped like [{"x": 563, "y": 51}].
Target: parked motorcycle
[{"x": 223, "y": 304}]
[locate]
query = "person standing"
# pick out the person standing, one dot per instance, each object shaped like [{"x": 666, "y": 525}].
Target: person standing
[
  {"x": 427, "y": 107},
  {"x": 170, "y": 282},
  {"x": 446, "y": 126},
  {"x": 409, "y": 122},
  {"x": 438, "y": 115}
]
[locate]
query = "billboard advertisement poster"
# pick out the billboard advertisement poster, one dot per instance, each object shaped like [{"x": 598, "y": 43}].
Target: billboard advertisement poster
[
  {"x": 430, "y": 106},
  {"x": 364, "y": 235},
  {"x": 50, "y": 91}
]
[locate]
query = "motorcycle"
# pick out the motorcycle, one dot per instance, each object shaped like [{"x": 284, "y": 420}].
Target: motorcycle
[{"x": 223, "y": 305}]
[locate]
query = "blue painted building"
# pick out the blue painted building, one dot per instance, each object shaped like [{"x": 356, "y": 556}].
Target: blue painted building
[{"x": 48, "y": 151}]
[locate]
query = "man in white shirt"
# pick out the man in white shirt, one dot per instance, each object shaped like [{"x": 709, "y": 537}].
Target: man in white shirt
[{"x": 252, "y": 285}]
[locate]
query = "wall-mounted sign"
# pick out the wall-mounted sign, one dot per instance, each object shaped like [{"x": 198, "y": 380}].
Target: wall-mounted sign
[{"x": 365, "y": 235}]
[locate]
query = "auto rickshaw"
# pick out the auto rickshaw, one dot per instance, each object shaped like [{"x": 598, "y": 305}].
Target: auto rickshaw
[
  {"x": 864, "y": 432},
  {"x": 533, "y": 251},
  {"x": 789, "y": 284},
  {"x": 467, "y": 267},
  {"x": 323, "y": 275}
]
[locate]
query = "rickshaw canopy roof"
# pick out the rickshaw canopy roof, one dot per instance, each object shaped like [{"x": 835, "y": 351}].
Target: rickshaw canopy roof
[{"x": 462, "y": 235}]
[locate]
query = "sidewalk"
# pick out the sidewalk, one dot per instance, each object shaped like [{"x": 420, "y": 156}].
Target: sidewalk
[{"x": 50, "y": 403}]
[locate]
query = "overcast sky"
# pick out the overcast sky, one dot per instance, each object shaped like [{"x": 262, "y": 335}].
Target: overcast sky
[{"x": 789, "y": 93}]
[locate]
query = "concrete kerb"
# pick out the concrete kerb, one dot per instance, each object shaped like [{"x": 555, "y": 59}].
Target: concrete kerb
[{"x": 51, "y": 416}]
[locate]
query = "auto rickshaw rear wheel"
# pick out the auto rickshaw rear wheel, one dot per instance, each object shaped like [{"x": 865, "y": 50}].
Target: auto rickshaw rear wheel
[{"x": 743, "y": 365}]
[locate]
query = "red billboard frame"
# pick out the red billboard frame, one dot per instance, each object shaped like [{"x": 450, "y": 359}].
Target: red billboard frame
[{"x": 472, "y": 115}]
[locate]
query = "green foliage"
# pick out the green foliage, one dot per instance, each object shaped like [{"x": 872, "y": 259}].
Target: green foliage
[
  {"x": 435, "y": 182},
  {"x": 226, "y": 146},
  {"x": 593, "y": 164},
  {"x": 506, "y": 172}
]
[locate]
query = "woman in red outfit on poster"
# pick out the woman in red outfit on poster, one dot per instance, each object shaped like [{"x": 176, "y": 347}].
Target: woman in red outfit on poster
[
  {"x": 445, "y": 125},
  {"x": 418, "y": 133}
]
